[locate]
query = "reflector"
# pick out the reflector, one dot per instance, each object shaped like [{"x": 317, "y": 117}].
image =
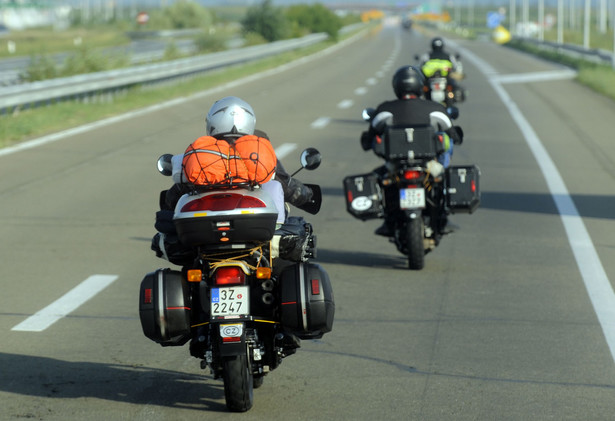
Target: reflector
[
  {"x": 223, "y": 202},
  {"x": 147, "y": 296},
  {"x": 315, "y": 287},
  {"x": 238, "y": 339}
]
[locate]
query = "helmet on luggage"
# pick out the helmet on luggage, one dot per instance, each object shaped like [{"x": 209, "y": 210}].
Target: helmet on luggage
[
  {"x": 230, "y": 115},
  {"x": 408, "y": 80},
  {"x": 437, "y": 44}
]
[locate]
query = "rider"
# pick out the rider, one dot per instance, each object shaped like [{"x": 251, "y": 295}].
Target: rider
[
  {"x": 439, "y": 60},
  {"x": 409, "y": 110},
  {"x": 228, "y": 119}
]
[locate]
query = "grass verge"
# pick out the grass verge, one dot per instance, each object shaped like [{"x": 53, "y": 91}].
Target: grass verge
[
  {"x": 30, "y": 123},
  {"x": 598, "y": 77}
]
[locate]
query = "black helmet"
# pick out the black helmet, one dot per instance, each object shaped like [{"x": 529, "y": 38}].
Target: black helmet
[
  {"x": 437, "y": 44},
  {"x": 408, "y": 80}
]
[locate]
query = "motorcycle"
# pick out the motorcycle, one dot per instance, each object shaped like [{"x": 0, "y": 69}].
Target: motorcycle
[
  {"x": 247, "y": 293},
  {"x": 407, "y": 191},
  {"x": 442, "y": 85}
]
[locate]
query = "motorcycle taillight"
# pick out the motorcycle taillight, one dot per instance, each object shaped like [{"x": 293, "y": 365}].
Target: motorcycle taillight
[
  {"x": 411, "y": 174},
  {"x": 230, "y": 275},
  {"x": 223, "y": 202}
]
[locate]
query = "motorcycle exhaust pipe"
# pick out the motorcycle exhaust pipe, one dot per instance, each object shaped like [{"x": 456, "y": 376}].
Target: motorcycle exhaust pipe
[
  {"x": 267, "y": 285},
  {"x": 268, "y": 298}
]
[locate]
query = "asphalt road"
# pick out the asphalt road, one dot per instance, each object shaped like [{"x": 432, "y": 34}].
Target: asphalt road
[{"x": 511, "y": 319}]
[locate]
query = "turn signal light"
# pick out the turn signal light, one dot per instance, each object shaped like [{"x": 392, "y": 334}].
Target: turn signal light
[
  {"x": 263, "y": 273},
  {"x": 230, "y": 275},
  {"x": 195, "y": 275}
]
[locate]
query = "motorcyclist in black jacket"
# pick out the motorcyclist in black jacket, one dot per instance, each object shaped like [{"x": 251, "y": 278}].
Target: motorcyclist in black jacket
[{"x": 409, "y": 109}]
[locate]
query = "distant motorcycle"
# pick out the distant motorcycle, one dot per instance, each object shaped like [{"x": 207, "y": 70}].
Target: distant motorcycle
[
  {"x": 241, "y": 312},
  {"x": 418, "y": 201},
  {"x": 442, "y": 85}
]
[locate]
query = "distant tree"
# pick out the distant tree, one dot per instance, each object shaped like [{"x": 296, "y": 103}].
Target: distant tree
[
  {"x": 182, "y": 14},
  {"x": 185, "y": 14},
  {"x": 314, "y": 18},
  {"x": 266, "y": 20}
]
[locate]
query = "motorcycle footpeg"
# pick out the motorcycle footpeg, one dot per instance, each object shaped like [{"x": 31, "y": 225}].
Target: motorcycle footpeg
[{"x": 288, "y": 341}]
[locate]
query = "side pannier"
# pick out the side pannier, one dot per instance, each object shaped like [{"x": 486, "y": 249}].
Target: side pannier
[
  {"x": 307, "y": 307},
  {"x": 164, "y": 307}
]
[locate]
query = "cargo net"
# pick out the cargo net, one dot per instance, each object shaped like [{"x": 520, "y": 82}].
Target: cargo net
[
  {"x": 210, "y": 162},
  {"x": 258, "y": 256}
]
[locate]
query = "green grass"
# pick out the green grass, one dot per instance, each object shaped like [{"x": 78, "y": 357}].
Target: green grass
[
  {"x": 30, "y": 123},
  {"x": 598, "y": 77},
  {"x": 46, "y": 41}
]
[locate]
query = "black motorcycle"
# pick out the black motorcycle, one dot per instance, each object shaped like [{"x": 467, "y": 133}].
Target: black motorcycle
[
  {"x": 247, "y": 293},
  {"x": 443, "y": 86},
  {"x": 406, "y": 192}
]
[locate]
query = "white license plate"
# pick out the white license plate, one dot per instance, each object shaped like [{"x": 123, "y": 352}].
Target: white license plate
[
  {"x": 230, "y": 301},
  {"x": 412, "y": 198}
]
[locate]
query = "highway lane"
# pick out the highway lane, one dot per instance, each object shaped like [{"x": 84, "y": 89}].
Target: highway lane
[{"x": 498, "y": 325}]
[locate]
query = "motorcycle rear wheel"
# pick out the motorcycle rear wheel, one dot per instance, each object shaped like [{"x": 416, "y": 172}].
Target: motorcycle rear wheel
[
  {"x": 238, "y": 383},
  {"x": 415, "y": 246}
]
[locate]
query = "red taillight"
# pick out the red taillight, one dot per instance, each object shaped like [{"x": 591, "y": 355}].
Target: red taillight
[
  {"x": 473, "y": 186},
  {"x": 223, "y": 202},
  {"x": 412, "y": 174},
  {"x": 349, "y": 194},
  {"x": 231, "y": 275}
]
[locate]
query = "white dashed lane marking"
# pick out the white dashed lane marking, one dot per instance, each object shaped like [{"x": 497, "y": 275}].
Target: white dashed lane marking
[
  {"x": 320, "y": 123},
  {"x": 66, "y": 304}
]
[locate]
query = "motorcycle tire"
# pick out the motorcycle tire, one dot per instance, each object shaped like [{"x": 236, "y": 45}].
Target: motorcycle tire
[
  {"x": 415, "y": 245},
  {"x": 257, "y": 381},
  {"x": 238, "y": 383}
]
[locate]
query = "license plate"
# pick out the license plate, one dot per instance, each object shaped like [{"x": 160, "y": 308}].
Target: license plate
[
  {"x": 231, "y": 301},
  {"x": 412, "y": 198}
]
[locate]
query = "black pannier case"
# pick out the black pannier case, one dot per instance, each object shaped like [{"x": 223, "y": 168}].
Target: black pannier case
[
  {"x": 307, "y": 307},
  {"x": 363, "y": 196},
  {"x": 409, "y": 143},
  {"x": 164, "y": 307},
  {"x": 462, "y": 188}
]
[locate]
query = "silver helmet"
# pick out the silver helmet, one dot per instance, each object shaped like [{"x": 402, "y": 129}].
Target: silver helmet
[{"x": 230, "y": 115}]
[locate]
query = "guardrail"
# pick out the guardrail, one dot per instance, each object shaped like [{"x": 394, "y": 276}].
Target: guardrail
[
  {"x": 107, "y": 82},
  {"x": 594, "y": 55}
]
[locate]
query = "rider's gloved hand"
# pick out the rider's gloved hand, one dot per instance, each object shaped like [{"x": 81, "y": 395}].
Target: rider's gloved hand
[{"x": 301, "y": 194}]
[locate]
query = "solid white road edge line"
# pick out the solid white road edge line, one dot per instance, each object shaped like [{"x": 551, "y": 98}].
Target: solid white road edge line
[
  {"x": 596, "y": 281},
  {"x": 66, "y": 304}
]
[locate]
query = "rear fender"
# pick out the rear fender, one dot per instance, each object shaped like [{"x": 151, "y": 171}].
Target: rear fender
[{"x": 231, "y": 338}]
